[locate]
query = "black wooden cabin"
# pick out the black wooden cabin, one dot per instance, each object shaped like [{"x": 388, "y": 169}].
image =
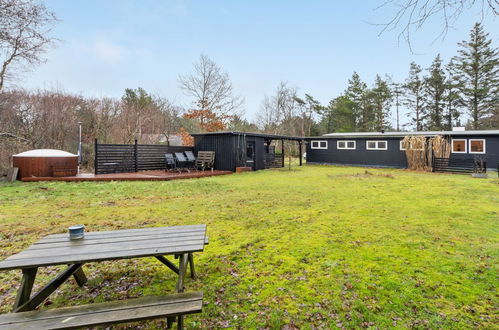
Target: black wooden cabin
[
  {"x": 386, "y": 150},
  {"x": 239, "y": 149}
]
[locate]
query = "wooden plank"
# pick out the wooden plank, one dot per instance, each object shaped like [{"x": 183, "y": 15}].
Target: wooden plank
[
  {"x": 80, "y": 277},
  {"x": 111, "y": 233},
  {"x": 138, "y": 239},
  {"x": 47, "y": 290},
  {"x": 168, "y": 263},
  {"x": 182, "y": 267},
  {"x": 84, "y": 258},
  {"x": 108, "y": 313},
  {"x": 12, "y": 174},
  {"x": 105, "y": 248},
  {"x": 24, "y": 292}
]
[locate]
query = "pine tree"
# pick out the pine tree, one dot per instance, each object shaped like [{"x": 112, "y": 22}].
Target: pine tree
[
  {"x": 356, "y": 92},
  {"x": 452, "y": 99},
  {"x": 477, "y": 68},
  {"x": 414, "y": 100},
  {"x": 381, "y": 97},
  {"x": 434, "y": 88},
  {"x": 342, "y": 114}
]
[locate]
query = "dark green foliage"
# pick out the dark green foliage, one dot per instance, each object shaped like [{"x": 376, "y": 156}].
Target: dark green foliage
[
  {"x": 434, "y": 90},
  {"x": 477, "y": 69},
  {"x": 414, "y": 99},
  {"x": 380, "y": 97}
]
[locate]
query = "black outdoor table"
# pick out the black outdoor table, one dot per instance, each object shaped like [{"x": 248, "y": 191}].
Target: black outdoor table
[{"x": 180, "y": 241}]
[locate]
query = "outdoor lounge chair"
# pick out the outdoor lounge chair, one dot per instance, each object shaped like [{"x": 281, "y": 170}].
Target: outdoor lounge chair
[
  {"x": 182, "y": 162},
  {"x": 171, "y": 164},
  {"x": 206, "y": 159},
  {"x": 191, "y": 159}
]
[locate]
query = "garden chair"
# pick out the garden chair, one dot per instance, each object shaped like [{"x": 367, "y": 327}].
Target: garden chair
[
  {"x": 182, "y": 162},
  {"x": 191, "y": 159},
  {"x": 206, "y": 159},
  {"x": 171, "y": 164}
]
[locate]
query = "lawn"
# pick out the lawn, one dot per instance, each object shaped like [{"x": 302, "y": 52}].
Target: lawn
[{"x": 317, "y": 246}]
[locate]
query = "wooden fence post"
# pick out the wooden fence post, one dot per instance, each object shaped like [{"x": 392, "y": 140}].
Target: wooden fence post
[
  {"x": 300, "y": 152},
  {"x": 135, "y": 150},
  {"x": 282, "y": 148},
  {"x": 96, "y": 170}
]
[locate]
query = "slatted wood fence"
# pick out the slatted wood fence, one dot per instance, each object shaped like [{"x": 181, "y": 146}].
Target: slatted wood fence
[
  {"x": 123, "y": 158},
  {"x": 455, "y": 165}
]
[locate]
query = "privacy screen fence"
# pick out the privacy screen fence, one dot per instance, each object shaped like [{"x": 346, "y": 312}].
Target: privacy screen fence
[{"x": 122, "y": 158}]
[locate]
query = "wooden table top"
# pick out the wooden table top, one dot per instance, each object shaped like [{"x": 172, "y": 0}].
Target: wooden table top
[{"x": 109, "y": 245}]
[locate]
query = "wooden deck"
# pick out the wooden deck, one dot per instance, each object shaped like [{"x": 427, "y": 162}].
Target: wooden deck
[{"x": 158, "y": 175}]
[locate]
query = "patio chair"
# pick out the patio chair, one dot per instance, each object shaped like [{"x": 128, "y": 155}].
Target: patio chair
[
  {"x": 206, "y": 159},
  {"x": 171, "y": 164},
  {"x": 182, "y": 162},
  {"x": 191, "y": 159}
]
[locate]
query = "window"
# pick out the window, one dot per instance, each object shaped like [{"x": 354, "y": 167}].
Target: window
[
  {"x": 376, "y": 145},
  {"x": 417, "y": 146},
  {"x": 319, "y": 144},
  {"x": 459, "y": 146},
  {"x": 477, "y": 146},
  {"x": 347, "y": 145}
]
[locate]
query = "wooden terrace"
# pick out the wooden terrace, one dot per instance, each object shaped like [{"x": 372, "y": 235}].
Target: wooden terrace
[{"x": 153, "y": 175}]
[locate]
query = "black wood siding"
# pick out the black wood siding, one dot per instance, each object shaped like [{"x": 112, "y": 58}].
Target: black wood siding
[
  {"x": 393, "y": 157},
  {"x": 224, "y": 147}
]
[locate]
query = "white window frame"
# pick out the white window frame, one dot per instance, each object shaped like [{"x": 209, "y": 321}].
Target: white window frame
[
  {"x": 477, "y": 152},
  {"x": 319, "y": 144},
  {"x": 377, "y": 147},
  {"x": 459, "y": 152},
  {"x": 401, "y": 146},
  {"x": 346, "y": 145}
]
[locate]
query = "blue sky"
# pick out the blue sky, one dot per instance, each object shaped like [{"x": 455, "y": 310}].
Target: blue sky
[{"x": 109, "y": 45}]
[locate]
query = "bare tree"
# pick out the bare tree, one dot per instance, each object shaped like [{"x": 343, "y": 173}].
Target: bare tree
[
  {"x": 279, "y": 111},
  {"x": 211, "y": 89},
  {"x": 25, "y": 27},
  {"x": 411, "y": 15}
]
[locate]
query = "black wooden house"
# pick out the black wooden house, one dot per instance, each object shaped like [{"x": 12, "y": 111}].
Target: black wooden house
[
  {"x": 379, "y": 149},
  {"x": 239, "y": 149}
]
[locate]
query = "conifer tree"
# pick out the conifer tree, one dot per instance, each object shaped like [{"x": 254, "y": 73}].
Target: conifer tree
[
  {"x": 357, "y": 92},
  {"x": 434, "y": 90},
  {"x": 414, "y": 99},
  {"x": 477, "y": 68},
  {"x": 381, "y": 98}
]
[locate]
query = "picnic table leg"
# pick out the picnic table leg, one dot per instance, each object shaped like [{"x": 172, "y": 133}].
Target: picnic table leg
[
  {"x": 191, "y": 263},
  {"x": 80, "y": 277},
  {"x": 47, "y": 290},
  {"x": 27, "y": 282},
  {"x": 182, "y": 268}
]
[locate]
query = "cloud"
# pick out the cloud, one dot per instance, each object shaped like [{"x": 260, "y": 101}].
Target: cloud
[{"x": 109, "y": 52}]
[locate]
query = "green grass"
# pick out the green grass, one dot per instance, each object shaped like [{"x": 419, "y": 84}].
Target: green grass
[{"x": 317, "y": 246}]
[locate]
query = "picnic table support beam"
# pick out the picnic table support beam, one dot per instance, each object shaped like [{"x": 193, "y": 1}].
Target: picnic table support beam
[
  {"x": 80, "y": 277},
  {"x": 191, "y": 263},
  {"x": 47, "y": 290},
  {"x": 168, "y": 263},
  {"x": 27, "y": 282}
]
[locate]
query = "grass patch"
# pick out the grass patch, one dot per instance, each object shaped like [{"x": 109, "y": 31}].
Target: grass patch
[{"x": 318, "y": 246}]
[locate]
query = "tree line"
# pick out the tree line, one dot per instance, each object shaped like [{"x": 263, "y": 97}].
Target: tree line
[{"x": 463, "y": 91}]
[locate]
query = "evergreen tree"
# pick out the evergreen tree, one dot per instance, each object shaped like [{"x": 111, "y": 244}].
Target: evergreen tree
[
  {"x": 342, "y": 114},
  {"x": 414, "y": 98},
  {"x": 380, "y": 97},
  {"x": 434, "y": 88},
  {"x": 452, "y": 100},
  {"x": 477, "y": 68},
  {"x": 357, "y": 92}
]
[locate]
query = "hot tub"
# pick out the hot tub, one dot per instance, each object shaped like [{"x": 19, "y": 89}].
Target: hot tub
[{"x": 45, "y": 163}]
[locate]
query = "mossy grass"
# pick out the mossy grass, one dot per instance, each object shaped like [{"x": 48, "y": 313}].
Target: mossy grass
[{"x": 317, "y": 246}]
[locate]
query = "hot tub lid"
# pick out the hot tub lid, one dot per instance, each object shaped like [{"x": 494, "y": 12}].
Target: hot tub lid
[{"x": 45, "y": 153}]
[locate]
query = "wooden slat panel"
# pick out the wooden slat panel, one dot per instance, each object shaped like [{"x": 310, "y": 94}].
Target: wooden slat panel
[
  {"x": 131, "y": 232},
  {"x": 84, "y": 258},
  {"x": 105, "y": 313}
]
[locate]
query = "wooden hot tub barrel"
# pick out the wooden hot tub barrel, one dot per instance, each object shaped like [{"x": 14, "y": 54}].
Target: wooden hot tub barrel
[{"x": 45, "y": 163}]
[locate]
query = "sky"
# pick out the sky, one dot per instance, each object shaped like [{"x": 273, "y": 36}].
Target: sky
[{"x": 106, "y": 46}]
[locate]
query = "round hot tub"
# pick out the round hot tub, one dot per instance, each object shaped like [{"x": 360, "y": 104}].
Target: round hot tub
[{"x": 45, "y": 163}]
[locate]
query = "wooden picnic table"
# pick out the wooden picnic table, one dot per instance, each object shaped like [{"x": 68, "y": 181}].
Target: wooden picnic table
[{"x": 58, "y": 249}]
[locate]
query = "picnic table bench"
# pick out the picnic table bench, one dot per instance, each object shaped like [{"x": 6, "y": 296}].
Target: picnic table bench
[{"x": 180, "y": 241}]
